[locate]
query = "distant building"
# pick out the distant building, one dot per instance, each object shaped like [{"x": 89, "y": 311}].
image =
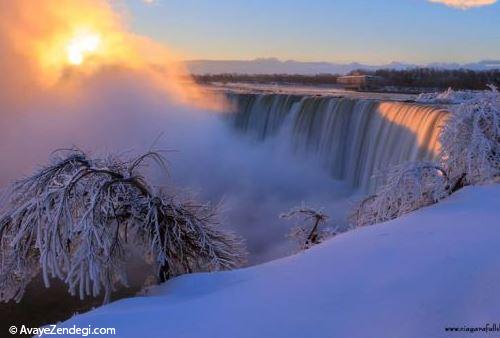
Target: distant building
[{"x": 360, "y": 82}]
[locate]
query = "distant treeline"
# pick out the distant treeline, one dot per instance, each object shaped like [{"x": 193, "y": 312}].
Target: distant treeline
[
  {"x": 437, "y": 78},
  {"x": 410, "y": 78},
  {"x": 319, "y": 79}
]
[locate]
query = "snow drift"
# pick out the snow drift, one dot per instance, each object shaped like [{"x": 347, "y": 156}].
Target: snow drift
[{"x": 414, "y": 276}]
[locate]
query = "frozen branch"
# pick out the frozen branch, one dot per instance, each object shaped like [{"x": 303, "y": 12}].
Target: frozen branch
[
  {"x": 470, "y": 140},
  {"x": 407, "y": 187},
  {"x": 307, "y": 233},
  {"x": 78, "y": 219},
  {"x": 470, "y": 154}
]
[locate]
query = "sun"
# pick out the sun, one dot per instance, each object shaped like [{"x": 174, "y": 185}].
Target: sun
[{"x": 80, "y": 46}]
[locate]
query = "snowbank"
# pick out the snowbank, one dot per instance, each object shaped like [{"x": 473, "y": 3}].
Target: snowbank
[{"x": 412, "y": 277}]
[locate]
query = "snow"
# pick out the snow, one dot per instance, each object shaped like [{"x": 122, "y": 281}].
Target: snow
[
  {"x": 411, "y": 277},
  {"x": 331, "y": 90}
]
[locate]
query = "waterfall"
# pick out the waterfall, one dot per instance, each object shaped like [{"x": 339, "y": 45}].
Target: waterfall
[{"x": 354, "y": 139}]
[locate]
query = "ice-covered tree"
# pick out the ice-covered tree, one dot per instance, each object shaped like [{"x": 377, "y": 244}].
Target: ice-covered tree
[
  {"x": 407, "y": 187},
  {"x": 470, "y": 140},
  {"x": 79, "y": 219},
  {"x": 470, "y": 154},
  {"x": 449, "y": 96},
  {"x": 308, "y": 232}
]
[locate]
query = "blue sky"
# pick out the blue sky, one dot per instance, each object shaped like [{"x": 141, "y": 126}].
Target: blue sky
[{"x": 369, "y": 31}]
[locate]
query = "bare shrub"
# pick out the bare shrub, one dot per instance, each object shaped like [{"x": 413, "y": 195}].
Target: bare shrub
[{"x": 308, "y": 232}]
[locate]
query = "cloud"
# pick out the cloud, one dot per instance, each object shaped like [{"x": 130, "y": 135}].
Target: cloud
[
  {"x": 465, "y": 4},
  {"x": 149, "y": 1}
]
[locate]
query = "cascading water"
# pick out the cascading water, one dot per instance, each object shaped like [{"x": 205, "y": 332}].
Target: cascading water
[{"x": 354, "y": 139}]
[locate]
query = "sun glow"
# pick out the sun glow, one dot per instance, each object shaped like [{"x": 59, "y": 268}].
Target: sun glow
[
  {"x": 64, "y": 43},
  {"x": 82, "y": 45}
]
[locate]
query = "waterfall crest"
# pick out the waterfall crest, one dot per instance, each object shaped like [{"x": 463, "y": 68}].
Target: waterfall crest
[{"x": 354, "y": 139}]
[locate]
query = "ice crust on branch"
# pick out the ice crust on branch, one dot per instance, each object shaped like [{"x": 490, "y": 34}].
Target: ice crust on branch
[
  {"x": 449, "y": 96},
  {"x": 470, "y": 140},
  {"x": 79, "y": 219},
  {"x": 408, "y": 187}
]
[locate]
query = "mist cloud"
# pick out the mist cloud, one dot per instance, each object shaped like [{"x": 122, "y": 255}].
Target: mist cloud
[{"x": 122, "y": 104}]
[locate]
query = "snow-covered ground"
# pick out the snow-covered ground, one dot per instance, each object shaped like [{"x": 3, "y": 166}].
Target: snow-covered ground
[
  {"x": 412, "y": 277},
  {"x": 256, "y": 88}
]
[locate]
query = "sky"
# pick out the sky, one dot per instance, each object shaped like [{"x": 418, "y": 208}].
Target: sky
[{"x": 368, "y": 31}]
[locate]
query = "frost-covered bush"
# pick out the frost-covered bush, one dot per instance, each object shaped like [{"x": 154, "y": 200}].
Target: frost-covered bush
[
  {"x": 470, "y": 154},
  {"x": 407, "y": 187},
  {"x": 79, "y": 219},
  {"x": 449, "y": 96},
  {"x": 470, "y": 140},
  {"x": 308, "y": 232}
]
